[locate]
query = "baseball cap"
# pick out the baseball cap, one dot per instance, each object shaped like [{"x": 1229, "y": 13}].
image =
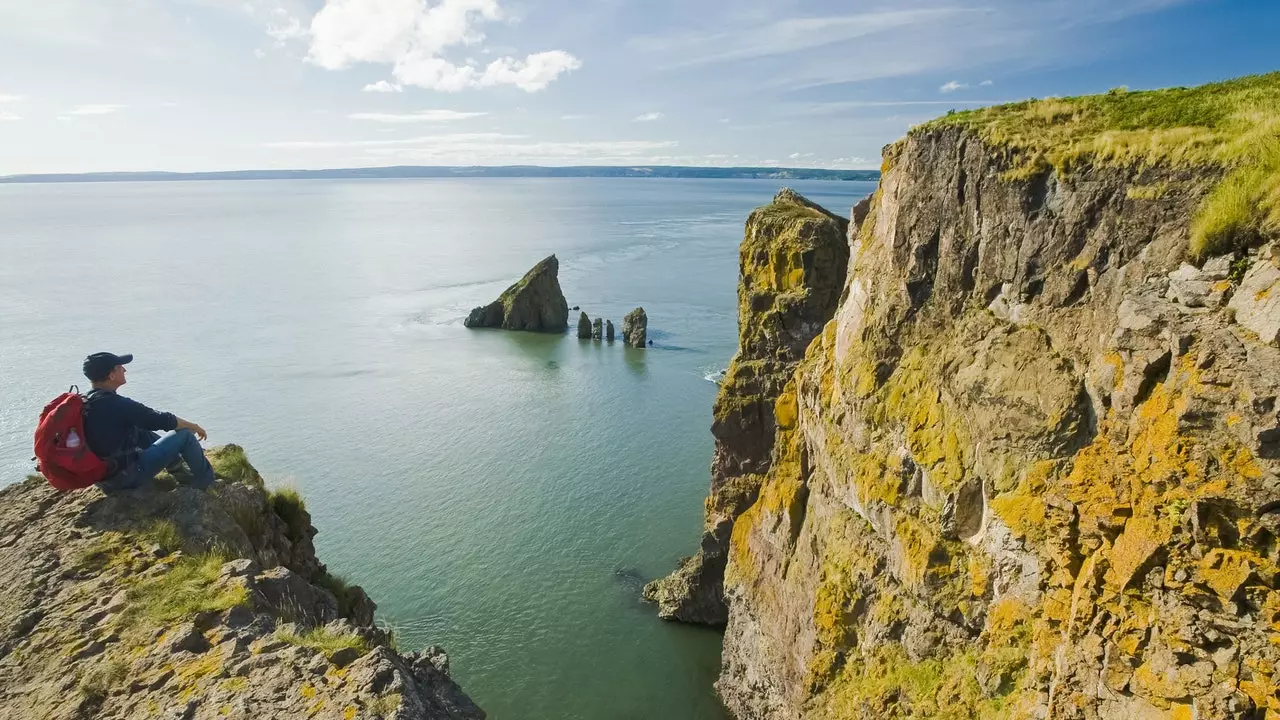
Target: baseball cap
[{"x": 100, "y": 364}]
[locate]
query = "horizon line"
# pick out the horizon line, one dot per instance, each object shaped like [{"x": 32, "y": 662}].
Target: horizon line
[{"x": 385, "y": 171}]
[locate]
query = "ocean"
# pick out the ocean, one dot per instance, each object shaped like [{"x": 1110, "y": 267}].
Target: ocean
[{"x": 503, "y": 495}]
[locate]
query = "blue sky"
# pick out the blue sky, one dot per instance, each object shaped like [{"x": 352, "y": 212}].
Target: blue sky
[{"x": 91, "y": 85}]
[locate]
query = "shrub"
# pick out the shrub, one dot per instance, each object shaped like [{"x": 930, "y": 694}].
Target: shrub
[
  {"x": 288, "y": 504},
  {"x": 336, "y": 585}
]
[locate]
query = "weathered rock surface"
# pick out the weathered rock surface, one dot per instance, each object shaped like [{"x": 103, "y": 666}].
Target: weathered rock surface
[
  {"x": 597, "y": 329},
  {"x": 1031, "y": 468},
  {"x": 608, "y": 330},
  {"x": 535, "y": 303},
  {"x": 1257, "y": 302},
  {"x": 635, "y": 328},
  {"x": 584, "y": 327},
  {"x": 792, "y": 266},
  {"x": 179, "y": 603}
]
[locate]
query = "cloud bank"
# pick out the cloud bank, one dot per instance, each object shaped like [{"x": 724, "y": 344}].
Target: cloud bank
[{"x": 413, "y": 37}]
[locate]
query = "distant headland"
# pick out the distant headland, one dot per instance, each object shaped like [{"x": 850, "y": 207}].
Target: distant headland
[{"x": 442, "y": 171}]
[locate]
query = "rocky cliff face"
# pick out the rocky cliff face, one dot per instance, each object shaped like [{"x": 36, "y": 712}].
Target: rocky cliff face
[
  {"x": 535, "y": 303},
  {"x": 177, "y": 603},
  {"x": 792, "y": 266},
  {"x": 1032, "y": 467}
]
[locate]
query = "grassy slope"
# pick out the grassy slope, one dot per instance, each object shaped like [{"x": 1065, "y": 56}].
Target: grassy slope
[{"x": 1233, "y": 126}]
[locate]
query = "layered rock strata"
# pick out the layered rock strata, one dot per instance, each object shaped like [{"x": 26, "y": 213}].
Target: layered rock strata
[
  {"x": 635, "y": 328},
  {"x": 535, "y": 303},
  {"x": 179, "y": 603},
  {"x": 1032, "y": 467},
  {"x": 792, "y": 266}
]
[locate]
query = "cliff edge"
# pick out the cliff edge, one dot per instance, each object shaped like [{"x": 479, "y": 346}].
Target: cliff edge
[
  {"x": 792, "y": 265},
  {"x": 1032, "y": 466},
  {"x": 188, "y": 605}
]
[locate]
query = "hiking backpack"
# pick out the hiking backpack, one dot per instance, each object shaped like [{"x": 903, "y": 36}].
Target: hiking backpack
[{"x": 61, "y": 447}]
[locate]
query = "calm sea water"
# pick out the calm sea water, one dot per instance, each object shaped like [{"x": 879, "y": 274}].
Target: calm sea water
[{"x": 500, "y": 494}]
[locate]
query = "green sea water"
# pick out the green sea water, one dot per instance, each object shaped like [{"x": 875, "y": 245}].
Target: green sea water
[{"x": 503, "y": 495}]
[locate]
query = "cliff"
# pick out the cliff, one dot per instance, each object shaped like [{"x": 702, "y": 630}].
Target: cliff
[
  {"x": 1032, "y": 466},
  {"x": 534, "y": 303},
  {"x": 180, "y": 604},
  {"x": 792, "y": 265}
]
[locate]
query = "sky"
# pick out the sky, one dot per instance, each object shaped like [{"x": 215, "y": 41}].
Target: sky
[{"x": 196, "y": 85}]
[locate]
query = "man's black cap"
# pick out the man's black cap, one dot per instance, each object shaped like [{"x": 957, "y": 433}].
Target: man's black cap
[{"x": 99, "y": 365}]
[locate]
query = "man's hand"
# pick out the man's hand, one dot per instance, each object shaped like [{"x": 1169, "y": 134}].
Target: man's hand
[{"x": 188, "y": 425}]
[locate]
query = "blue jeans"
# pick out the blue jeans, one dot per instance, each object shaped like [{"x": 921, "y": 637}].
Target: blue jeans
[{"x": 160, "y": 455}]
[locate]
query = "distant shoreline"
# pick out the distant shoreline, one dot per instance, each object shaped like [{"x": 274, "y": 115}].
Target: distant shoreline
[{"x": 507, "y": 171}]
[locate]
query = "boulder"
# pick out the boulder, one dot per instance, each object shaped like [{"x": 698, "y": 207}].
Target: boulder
[
  {"x": 608, "y": 330},
  {"x": 1257, "y": 300},
  {"x": 534, "y": 304},
  {"x": 635, "y": 328},
  {"x": 597, "y": 329},
  {"x": 584, "y": 327}
]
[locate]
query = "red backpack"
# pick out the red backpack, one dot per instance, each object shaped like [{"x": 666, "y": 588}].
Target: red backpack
[{"x": 61, "y": 446}]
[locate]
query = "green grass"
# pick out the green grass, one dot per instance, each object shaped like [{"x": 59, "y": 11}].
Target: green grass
[
  {"x": 165, "y": 534},
  {"x": 189, "y": 588},
  {"x": 384, "y": 706},
  {"x": 230, "y": 463},
  {"x": 338, "y": 586},
  {"x": 289, "y": 505},
  {"x": 325, "y": 640},
  {"x": 1232, "y": 127}
]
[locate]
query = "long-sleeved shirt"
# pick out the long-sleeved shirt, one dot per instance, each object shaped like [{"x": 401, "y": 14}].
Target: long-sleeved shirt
[{"x": 112, "y": 422}]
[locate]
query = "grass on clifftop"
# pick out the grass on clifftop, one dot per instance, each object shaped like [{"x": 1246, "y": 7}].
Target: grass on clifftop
[
  {"x": 325, "y": 639},
  {"x": 1233, "y": 126},
  {"x": 187, "y": 589}
]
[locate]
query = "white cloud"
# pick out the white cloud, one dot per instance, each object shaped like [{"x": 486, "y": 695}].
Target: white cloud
[
  {"x": 417, "y": 117},
  {"x": 413, "y": 38},
  {"x": 12, "y": 98},
  {"x": 573, "y": 117},
  {"x": 953, "y": 86},
  {"x": 8, "y": 116},
  {"x": 382, "y": 86},
  {"x": 798, "y": 156},
  {"x": 649, "y": 117},
  {"x": 986, "y": 83},
  {"x": 103, "y": 109}
]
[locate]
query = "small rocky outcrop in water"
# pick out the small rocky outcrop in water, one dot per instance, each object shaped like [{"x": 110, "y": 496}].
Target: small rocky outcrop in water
[
  {"x": 180, "y": 603},
  {"x": 793, "y": 261},
  {"x": 635, "y": 328},
  {"x": 597, "y": 329},
  {"x": 535, "y": 303},
  {"x": 584, "y": 327},
  {"x": 608, "y": 330}
]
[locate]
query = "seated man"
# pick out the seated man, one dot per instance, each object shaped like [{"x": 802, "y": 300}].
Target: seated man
[{"x": 120, "y": 431}]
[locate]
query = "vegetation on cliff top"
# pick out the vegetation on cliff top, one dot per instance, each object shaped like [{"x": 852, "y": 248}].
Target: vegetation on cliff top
[{"x": 1232, "y": 126}]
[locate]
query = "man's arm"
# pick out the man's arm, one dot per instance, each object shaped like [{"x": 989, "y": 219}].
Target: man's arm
[
  {"x": 188, "y": 425},
  {"x": 145, "y": 417}
]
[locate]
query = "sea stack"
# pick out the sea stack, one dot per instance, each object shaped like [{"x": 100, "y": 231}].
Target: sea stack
[
  {"x": 534, "y": 304},
  {"x": 597, "y": 329},
  {"x": 635, "y": 328},
  {"x": 793, "y": 261},
  {"x": 608, "y": 330},
  {"x": 584, "y": 327}
]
